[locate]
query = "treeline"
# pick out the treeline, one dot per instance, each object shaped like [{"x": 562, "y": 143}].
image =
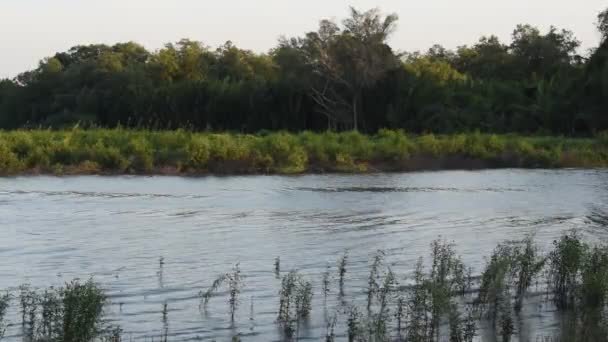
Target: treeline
[{"x": 342, "y": 76}]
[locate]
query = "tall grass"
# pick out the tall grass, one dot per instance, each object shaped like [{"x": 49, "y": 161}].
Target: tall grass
[
  {"x": 438, "y": 302},
  {"x": 183, "y": 152},
  {"x": 234, "y": 282},
  {"x": 295, "y": 303},
  {"x": 66, "y": 314}
]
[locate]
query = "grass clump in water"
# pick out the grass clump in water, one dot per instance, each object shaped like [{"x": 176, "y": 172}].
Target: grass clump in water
[
  {"x": 295, "y": 303},
  {"x": 234, "y": 282},
  {"x": 4, "y": 305},
  {"x": 70, "y": 313},
  {"x": 342, "y": 263},
  {"x": 437, "y": 303}
]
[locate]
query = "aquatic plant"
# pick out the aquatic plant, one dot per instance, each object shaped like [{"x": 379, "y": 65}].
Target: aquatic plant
[
  {"x": 235, "y": 284},
  {"x": 342, "y": 262},
  {"x": 330, "y": 335},
  {"x": 165, "y": 319},
  {"x": 437, "y": 303},
  {"x": 4, "y": 305},
  {"x": 69, "y": 313},
  {"x": 295, "y": 302},
  {"x": 372, "y": 282},
  {"x": 382, "y": 317},
  {"x": 565, "y": 265},
  {"x": 325, "y": 284},
  {"x": 400, "y": 316},
  {"x": 527, "y": 265},
  {"x": 355, "y": 331},
  {"x": 445, "y": 281},
  {"x": 277, "y": 266},
  {"x": 494, "y": 289},
  {"x": 29, "y": 307}
]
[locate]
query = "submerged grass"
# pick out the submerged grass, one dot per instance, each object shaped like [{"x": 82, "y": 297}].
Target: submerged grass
[
  {"x": 234, "y": 283},
  {"x": 99, "y": 151},
  {"x": 437, "y": 303},
  {"x": 295, "y": 303},
  {"x": 65, "y": 314}
]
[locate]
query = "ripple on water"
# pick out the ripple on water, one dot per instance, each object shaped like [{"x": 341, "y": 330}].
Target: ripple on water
[{"x": 117, "y": 228}]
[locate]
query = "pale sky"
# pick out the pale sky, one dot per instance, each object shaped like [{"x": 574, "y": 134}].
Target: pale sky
[{"x": 33, "y": 29}]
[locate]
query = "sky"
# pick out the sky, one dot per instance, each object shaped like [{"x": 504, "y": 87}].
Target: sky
[{"x": 33, "y": 29}]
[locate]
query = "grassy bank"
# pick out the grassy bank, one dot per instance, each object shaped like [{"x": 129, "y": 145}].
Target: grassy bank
[
  {"x": 120, "y": 151},
  {"x": 440, "y": 301}
]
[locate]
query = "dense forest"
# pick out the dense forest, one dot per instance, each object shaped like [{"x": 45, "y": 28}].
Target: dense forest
[{"x": 342, "y": 76}]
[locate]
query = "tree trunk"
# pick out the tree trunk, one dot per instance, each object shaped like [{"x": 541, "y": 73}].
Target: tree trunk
[{"x": 355, "y": 109}]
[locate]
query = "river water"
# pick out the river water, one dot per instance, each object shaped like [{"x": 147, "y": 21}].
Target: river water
[{"x": 116, "y": 229}]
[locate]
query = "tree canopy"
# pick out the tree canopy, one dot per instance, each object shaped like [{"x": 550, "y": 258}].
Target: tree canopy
[{"x": 342, "y": 76}]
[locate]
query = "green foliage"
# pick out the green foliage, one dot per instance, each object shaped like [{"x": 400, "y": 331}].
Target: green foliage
[
  {"x": 392, "y": 145},
  {"x": 594, "y": 287},
  {"x": 138, "y": 151},
  {"x": 140, "y": 154},
  {"x": 82, "y": 311},
  {"x": 70, "y": 313},
  {"x": 295, "y": 303},
  {"x": 504, "y": 283},
  {"x": 198, "y": 153},
  {"x": 566, "y": 264},
  {"x": 342, "y": 76},
  {"x": 9, "y": 162}
]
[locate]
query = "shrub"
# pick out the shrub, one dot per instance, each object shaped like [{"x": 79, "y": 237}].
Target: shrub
[
  {"x": 9, "y": 162},
  {"x": 140, "y": 154},
  {"x": 392, "y": 145},
  {"x": 198, "y": 153},
  {"x": 109, "y": 158},
  {"x": 429, "y": 144}
]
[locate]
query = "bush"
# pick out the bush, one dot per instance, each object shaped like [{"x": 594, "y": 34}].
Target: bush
[
  {"x": 429, "y": 144},
  {"x": 198, "y": 153},
  {"x": 109, "y": 158},
  {"x": 140, "y": 154},
  {"x": 288, "y": 156},
  {"x": 392, "y": 145},
  {"x": 9, "y": 163}
]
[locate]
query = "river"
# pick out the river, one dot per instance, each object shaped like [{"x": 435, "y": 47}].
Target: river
[{"x": 117, "y": 229}]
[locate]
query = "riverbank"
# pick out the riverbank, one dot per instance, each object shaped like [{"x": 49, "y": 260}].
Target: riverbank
[{"x": 120, "y": 151}]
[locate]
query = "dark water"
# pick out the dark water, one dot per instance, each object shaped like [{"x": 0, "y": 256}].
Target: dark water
[{"x": 116, "y": 229}]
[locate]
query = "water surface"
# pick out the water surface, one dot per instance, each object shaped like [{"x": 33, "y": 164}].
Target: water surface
[{"x": 116, "y": 229}]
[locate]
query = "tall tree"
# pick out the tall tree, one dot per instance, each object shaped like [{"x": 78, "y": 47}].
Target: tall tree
[
  {"x": 349, "y": 60},
  {"x": 542, "y": 55},
  {"x": 602, "y": 23}
]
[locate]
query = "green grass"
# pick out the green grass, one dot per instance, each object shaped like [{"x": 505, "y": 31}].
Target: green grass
[{"x": 119, "y": 151}]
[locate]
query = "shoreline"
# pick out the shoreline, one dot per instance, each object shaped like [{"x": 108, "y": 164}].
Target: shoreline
[
  {"x": 469, "y": 165},
  {"x": 181, "y": 153}
]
